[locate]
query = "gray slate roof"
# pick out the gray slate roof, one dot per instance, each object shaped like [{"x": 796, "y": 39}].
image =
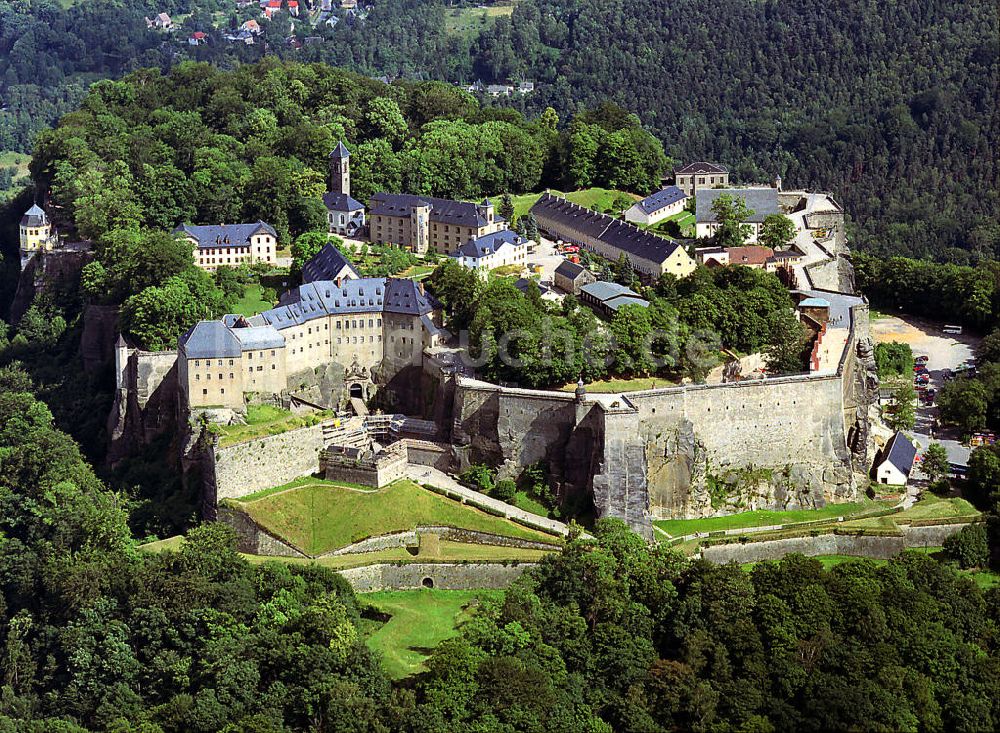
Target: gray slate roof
[
  {"x": 443, "y": 211},
  {"x": 661, "y": 199},
  {"x": 900, "y": 452},
  {"x": 701, "y": 167},
  {"x": 570, "y": 270},
  {"x": 620, "y": 300},
  {"x": 259, "y": 337},
  {"x": 761, "y": 201},
  {"x": 210, "y": 339},
  {"x": 489, "y": 243},
  {"x": 225, "y": 235},
  {"x": 34, "y": 217},
  {"x": 605, "y": 291},
  {"x": 325, "y": 264},
  {"x": 340, "y": 151},
  {"x": 615, "y": 232},
  {"x": 341, "y": 202}
]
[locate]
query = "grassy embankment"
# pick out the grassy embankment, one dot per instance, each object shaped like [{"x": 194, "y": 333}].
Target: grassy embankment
[
  {"x": 419, "y": 621},
  {"x": 252, "y": 303},
  {"x": 603, "y": 198},
  {"x": 264, "y": 420},
  {"x": 320, "y": 516},
  {"x": 467, "y": 22}
]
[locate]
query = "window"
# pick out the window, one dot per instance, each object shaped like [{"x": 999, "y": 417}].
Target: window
[
  {"x": 222, "y": 391},
  {"x": 197, "y": 362},
  {"x": 230, "y": 375},
  {"x": 197, "y": 377},
  {"x": 230, "y": 364},
  {"x": 204, "y": 391}
]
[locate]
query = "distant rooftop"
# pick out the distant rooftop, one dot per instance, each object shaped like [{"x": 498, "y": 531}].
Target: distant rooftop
[
  {"x": 761, "y": 201},
  {"x": 225, "y": 235},
  {"x": 661, "y": 199},
  {"x": 701, "y": 167}
]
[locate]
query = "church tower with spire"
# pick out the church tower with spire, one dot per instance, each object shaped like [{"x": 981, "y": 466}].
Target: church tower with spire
[{"x": 340, "y": 170}]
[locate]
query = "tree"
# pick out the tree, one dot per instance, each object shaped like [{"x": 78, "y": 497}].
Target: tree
[
  {"x": 902, "y": 413},
  {"x": 479, "y": 476},
  {"x": 963, "y": 403},
  {"x": 935, "y": 463},
  {"x": 157, "y": 316},
  {"x": 894, "y": 359},
  {"x": 506, "y": 210},
  {"x": 969, "y": 547},
  {"x": 731, "y": 213},
  {"x": 786, "y": 352},
  {"x": 458, "y": 290},
  {"x": 505, "y": 490},
  {"x": 776, "y": 232}
]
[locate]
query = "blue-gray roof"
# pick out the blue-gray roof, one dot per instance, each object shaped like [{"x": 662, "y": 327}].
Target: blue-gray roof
[
  {"x": 701, "y": 167},
  {"x": 570, "y": 269},
  {"x": 443, "y": 211},
  {"x": 565, "y": 217},
  {"x": 326, "y": 264},
  {"x": 225, "y": 235},
  {"x": 489, "y": 243},
  {"x": 900, "y": 452},
  {"x": 620, "y": 300},
  {"x": 34, "y": 217},
  {"x": 341, "y": 202},
  {"x": 340, "y": 151},
  {"x": 259, "y": 337},
  {"x": 210, "y": 340},
  {"x": 814, "y": 303},
  {"x": 762, "y": 202},
  {"x": 661, "y": 199},
  {"x": 605, "y": 291}
]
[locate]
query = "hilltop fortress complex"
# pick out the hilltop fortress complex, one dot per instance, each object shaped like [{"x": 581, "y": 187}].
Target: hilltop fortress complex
[{"x": 343, "y": 343}]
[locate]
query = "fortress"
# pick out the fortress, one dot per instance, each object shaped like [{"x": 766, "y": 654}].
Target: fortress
[{"x": 340, "y": 340}]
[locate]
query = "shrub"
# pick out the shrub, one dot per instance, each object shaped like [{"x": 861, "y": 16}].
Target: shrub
[
  {"x": 478, "y": 477},
  {"x": 969, "y": 547},
  {"x": 505, "y": 490}
]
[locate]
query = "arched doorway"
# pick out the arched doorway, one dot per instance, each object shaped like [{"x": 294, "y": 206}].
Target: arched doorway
[
  {"x": 427, "y": 582},
  {"x": 357, "y": 391}
]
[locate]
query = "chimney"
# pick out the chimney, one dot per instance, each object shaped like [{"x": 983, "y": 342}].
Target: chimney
[
  {"x": 420, "y": 284},
  {"x": 337, "y": 281}
]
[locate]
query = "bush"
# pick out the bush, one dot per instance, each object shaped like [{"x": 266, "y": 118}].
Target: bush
[
  {"x": 505, "y": 490},
  {"x": 969, "y": 547},
  {"x": 478, "y": 477}
]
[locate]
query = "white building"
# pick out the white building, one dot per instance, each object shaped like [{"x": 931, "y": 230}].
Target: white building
[
  {"x": 491, "y": 251},
  {"x": 893, "y": 466},
  {"x": 656, "y": 208},
  {"x": 761, "y": 201}
]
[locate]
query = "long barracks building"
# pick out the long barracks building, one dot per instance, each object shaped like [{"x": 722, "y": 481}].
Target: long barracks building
[{"x": 649, "y": 255}]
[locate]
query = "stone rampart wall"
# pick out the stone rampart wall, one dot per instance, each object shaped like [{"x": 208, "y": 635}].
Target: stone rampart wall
[
  {"x": 376, "y": 472},
  {"x": 252, "y": 538},
  {"x": 881, "y": 548},
  {"x": 448, "y": 576},
  {"x": 262, "y": 463},
  {"x": 427, "y": 453}
]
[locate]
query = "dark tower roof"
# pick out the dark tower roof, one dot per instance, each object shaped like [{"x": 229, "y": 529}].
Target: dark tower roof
[{"x": 340, "y": 151}]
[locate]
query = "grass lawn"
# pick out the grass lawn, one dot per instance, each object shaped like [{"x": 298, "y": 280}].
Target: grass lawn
[
  {"x": 417, "y": 272},
  {"x": 421, "y": 619},
  {"x": 530, "y": 504},
  {"x": 930, "y": 506},
  {"x": 468, "y": 21},
  {"x": 760, "y": 518},
  {"x": 321, "y": 516},
  {"x": 264, "y": 420},
  {"x": 251, "y": 303},
  {"x": 587, "y": 197},
  {"x": 170, "y": 543},
  {"x": 448, "y": 551},
  {"x": 606, "y": 386}
]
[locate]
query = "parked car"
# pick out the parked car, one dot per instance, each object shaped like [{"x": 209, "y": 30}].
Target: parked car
[
  {"x": 920, "y": 369},
  {"x": 953, "y": 330},
  {"x": 922, "y": 359},
  {"x": 921, "y": 379}
]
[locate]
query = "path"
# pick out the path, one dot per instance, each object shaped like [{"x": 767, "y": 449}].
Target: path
[{"x": 438, "y": 478}]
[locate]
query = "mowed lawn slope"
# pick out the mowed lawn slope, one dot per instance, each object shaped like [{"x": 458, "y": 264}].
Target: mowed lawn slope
[
  {"x": 421, "y": 619},
  {"x": 320, "y": 516}
]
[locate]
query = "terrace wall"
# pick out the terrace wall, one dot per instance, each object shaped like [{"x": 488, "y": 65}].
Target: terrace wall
[{"x": 447, "y": 576}]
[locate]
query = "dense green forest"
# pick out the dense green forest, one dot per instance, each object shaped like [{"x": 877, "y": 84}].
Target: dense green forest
[
  {"x": 891, "y": 107},
  {"x": 608, "y": 635}
]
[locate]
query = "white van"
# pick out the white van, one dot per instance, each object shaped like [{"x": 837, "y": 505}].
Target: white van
[{"x": 953, "y": 330}]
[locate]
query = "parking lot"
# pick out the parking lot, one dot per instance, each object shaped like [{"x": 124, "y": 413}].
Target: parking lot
[{"x": 944, "y": 352}]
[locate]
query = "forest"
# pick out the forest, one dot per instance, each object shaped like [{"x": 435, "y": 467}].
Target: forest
[
  {"x": 609, "y": 634},
  {"x": 891, "y": 107}
]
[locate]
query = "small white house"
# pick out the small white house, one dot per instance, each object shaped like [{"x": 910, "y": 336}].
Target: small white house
[
  {"x": 893, "y": 466},
  {"x": 656, "y": 208},
  {"x": 491, "y": 251}
]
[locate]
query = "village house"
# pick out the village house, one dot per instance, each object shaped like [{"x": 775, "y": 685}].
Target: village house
[
  {"x": 293, "y": 8},
  {"x": 648, "y": 254},
  {"x": 570, "y": 277},
  {"x": 894, "y": 464},
  {"x": 198, "y": 38},
  {"x": 161, "y": 22},
  {"x": 344, "y": 215},
  {"x": 761, "y": 201},
  {"x": 362, "y": 324},
  {"x": 490, "y": 251},
  {"x": 691, "y": 177},
  {"x": 231, "y": 244},
  {"x": 419, "y": 223},
  {"x": 657, "y": 207},
  {"x": 251, "y": 26},
  {"x": 269, "y": 8},
  {"x": 606, "y": 297}
]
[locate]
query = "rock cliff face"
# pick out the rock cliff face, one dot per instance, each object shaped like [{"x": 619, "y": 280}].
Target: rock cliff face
[{"x": 47, "y": 271}]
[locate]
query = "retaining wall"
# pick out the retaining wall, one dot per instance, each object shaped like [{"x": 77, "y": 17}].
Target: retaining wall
[
  {"x": 252, "y": 538},
  {"x": 881, "y": 548},
  {"x": 447, "y": 576},
  {"x": 263, "y": 463}
]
